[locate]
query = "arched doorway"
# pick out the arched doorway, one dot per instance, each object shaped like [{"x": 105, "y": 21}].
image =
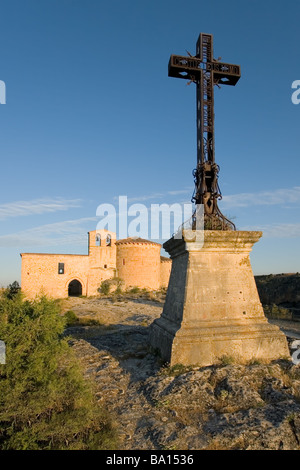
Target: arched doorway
[{"x": 74, "y": 288}]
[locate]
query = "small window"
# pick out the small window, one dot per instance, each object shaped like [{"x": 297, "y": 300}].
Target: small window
[
  {"x": 123, "y": 262},
  {"x": 105, "y": 266},
  {"x": 98, "y": 239},
  {"x": 61, "y": 268},
  {"x": 108, "y": 240}
]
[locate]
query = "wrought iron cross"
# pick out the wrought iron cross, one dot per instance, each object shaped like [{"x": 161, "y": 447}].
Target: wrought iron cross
[{"x": 206, "y": 72}]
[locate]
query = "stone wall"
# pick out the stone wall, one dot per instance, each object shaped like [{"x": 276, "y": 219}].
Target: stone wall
[
  {"x": 96, "y": 276},
  {"x": 138, "y": 263},
  {"x": 39, "y": 274},
  {"x": 165, "y": 270}
]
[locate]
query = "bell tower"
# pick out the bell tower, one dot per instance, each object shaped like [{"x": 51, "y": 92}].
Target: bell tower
[{"x": 102, "y": 249}]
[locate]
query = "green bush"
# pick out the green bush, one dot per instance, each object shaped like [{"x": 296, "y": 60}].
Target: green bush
[
  {"x": 105, "y": 287},
  {"x": 71, "y": 318},
  {"x": 12, "y": 291},
  {"x": 45, "y": 402},
  {"x": 226, "y": 360},
  {"x": 176, "y": 370},
  {"x": 134, "y": 290},
  {"x": 274, "y": 311}
]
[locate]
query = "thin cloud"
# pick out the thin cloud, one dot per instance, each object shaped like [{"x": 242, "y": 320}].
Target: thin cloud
[
  {"x": 145, "y": 197},
  {"x": 276, "y": 197},
  {"x": 277, "y": 230},
  {"x": 179, "y": 191},
  {"x": 36, "y": 207},
  {"x": 148, "y": 197},
  {"x": 58, "y": 233}
]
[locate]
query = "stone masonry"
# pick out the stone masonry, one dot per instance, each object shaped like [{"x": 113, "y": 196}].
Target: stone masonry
[
  {"x": 212, "y": 308},
  {"x": 136, "y": 261}
]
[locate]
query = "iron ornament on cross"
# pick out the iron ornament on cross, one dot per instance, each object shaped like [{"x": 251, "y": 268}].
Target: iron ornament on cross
[{"x": 205, "y": 72}]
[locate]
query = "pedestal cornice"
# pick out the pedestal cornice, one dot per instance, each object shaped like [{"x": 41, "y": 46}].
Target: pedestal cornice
[{"x": 212, "y": 241}]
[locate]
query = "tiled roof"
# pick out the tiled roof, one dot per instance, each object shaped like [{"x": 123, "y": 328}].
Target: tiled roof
[{"x": 134, "y": 240}]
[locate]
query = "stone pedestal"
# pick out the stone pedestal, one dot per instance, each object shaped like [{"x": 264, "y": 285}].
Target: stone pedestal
[{"x": 212, "y": 307}]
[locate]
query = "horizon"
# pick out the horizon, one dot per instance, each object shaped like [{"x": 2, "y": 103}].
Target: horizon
[{"x": 90, "y": 114}]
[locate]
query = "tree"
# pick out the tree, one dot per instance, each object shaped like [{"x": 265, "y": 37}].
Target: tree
[
  {"x": 45, "y": 402},
  {"x": 12, "y": 290},
  {"x": 115, "y": 283}
]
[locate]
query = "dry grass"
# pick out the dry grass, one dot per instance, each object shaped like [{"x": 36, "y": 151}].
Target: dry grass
[{"x": 237, "y": 444}]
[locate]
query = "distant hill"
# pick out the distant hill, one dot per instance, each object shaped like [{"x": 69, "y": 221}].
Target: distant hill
[{"x": 279, "y": 289}]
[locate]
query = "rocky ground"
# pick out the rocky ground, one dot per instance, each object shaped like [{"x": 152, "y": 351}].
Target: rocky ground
[{"x": 227, "y": 406}]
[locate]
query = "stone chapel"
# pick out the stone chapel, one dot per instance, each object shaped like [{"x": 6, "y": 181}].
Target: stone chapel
[{"x": 134, "y": 260}]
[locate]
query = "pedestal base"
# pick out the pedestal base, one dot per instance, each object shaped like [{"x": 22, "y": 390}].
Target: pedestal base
[{"x": 212, "y": 307}]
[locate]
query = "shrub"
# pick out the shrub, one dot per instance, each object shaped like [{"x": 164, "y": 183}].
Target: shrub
[
  {"x": 12, "y": 290},
  {"x": 118, "y": 283},
  {"x": 105, "y": 287},
  {"x": 114, "y": 285},
  {"x": 177, "y": 369},
  {"x": 226, "y": 360},
  {"x": 134, "y": 290},
  {"x": 71, "y": 318},
  {"x": 45, "y": 402},
  {"x": 274, "y": 311}
]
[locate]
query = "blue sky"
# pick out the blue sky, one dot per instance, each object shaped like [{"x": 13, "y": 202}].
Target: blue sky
[{"x": 91, "y": 114}]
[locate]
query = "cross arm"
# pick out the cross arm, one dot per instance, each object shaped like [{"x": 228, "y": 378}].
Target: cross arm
[
  {"x": 184, "y": 67},
  {"x": 190, "y": 68},
  {"x": 224, "y": 74}
]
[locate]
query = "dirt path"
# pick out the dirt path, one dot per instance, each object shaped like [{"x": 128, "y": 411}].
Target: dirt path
[
  {"x": 290, "y": 328},
  {"x": 116, "y": 356}
]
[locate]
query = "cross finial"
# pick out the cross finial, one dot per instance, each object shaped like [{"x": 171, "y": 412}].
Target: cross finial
[{"x": 206, "y": 72}]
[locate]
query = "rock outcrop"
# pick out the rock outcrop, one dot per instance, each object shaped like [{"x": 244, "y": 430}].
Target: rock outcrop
[{"x": 225, "y": 406}]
